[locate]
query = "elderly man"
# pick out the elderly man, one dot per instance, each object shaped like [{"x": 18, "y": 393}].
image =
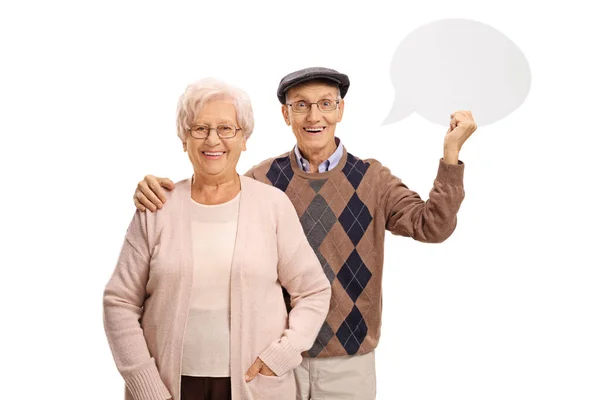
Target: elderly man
[{"x": 345, "y": 205}]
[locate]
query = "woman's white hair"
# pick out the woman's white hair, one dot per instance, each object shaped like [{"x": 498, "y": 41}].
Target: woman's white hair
[{"x": 199, "y": 93}]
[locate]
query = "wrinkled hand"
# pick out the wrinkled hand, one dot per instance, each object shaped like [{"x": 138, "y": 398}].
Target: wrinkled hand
[
  {"x": 259, "y": 367},
  {"x": 462, "y": 126},
  {"x": 150, "y": 194}
]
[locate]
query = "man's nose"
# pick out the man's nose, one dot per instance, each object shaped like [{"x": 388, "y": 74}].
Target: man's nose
[{"x": 314, "y": 114}]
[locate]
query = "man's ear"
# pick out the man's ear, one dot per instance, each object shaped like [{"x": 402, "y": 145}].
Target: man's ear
[
  {"x": 286, "y": 114},
  {"x": 184, "y": 146},
  {"x": 340, "y": 113}
]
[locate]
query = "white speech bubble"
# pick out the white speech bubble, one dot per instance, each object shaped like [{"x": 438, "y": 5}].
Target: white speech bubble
[{"x": 458, "y": 64}]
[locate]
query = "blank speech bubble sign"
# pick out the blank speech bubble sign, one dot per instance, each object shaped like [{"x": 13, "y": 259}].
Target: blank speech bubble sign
[{"x": 458, "y": 64}]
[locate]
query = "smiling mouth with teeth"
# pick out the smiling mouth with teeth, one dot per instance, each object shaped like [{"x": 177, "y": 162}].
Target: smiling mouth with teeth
[
  {"x": 314, "y": 130},
  {"x": 213, "y": 153}
]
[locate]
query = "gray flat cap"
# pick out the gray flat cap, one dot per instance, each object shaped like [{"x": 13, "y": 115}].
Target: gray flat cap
[{"x": 310, "y": 74}]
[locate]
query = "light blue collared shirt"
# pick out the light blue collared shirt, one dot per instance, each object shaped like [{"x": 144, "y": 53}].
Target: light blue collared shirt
[{"x": 326, "y": 165}]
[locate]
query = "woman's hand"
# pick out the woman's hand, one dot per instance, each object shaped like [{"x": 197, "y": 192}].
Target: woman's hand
[{"x": 259, "y": 367}]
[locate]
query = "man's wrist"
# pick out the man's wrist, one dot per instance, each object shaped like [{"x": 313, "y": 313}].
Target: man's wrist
[{"x": 451, "y": 155}]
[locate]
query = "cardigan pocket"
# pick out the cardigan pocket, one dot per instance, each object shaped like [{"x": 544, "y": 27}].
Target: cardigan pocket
[{"x": 265, "y": 387}]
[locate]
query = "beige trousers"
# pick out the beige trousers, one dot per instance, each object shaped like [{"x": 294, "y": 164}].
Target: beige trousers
[{"x": 336, "y": 378}]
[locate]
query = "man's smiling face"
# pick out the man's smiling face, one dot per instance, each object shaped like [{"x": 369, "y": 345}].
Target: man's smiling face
[{"x": 315, "y": 129}]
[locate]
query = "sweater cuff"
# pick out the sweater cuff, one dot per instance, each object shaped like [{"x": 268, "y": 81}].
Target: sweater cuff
[
  {"x": 451, "y": 174},
  {"x": 147, "y": 385},
  {"x": 281, "y": 357}
]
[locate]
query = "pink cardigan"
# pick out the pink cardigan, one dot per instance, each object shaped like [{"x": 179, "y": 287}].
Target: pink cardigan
[{"x": 147, "y": 297}]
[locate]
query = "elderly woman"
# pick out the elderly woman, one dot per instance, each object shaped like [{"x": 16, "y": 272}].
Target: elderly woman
[{"x": 194, "y": 308}]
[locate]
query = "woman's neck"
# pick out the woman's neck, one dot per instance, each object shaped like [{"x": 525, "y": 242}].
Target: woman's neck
[{"x": 215, "y": 191}]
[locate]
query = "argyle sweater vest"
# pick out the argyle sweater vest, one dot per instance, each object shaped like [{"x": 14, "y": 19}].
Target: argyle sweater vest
[{"x": 345, "y": 213}]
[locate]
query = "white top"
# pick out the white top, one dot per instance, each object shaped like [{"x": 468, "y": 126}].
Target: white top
[{"x": 206, "y": 342}]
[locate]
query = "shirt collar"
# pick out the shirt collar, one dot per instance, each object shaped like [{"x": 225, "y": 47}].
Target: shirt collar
[{"x": 326, "y": 165}]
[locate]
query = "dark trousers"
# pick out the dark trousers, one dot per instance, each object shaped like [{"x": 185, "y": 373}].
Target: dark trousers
[{"x": 202, "y": 388}]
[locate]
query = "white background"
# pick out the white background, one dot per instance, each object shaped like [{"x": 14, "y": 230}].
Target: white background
[{"x": 507, "y": 308}]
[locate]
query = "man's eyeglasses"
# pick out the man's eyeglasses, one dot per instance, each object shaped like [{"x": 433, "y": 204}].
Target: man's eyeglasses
[
  {"x": 324, "y": 105},
  {"x": 223, "y": 131}
]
